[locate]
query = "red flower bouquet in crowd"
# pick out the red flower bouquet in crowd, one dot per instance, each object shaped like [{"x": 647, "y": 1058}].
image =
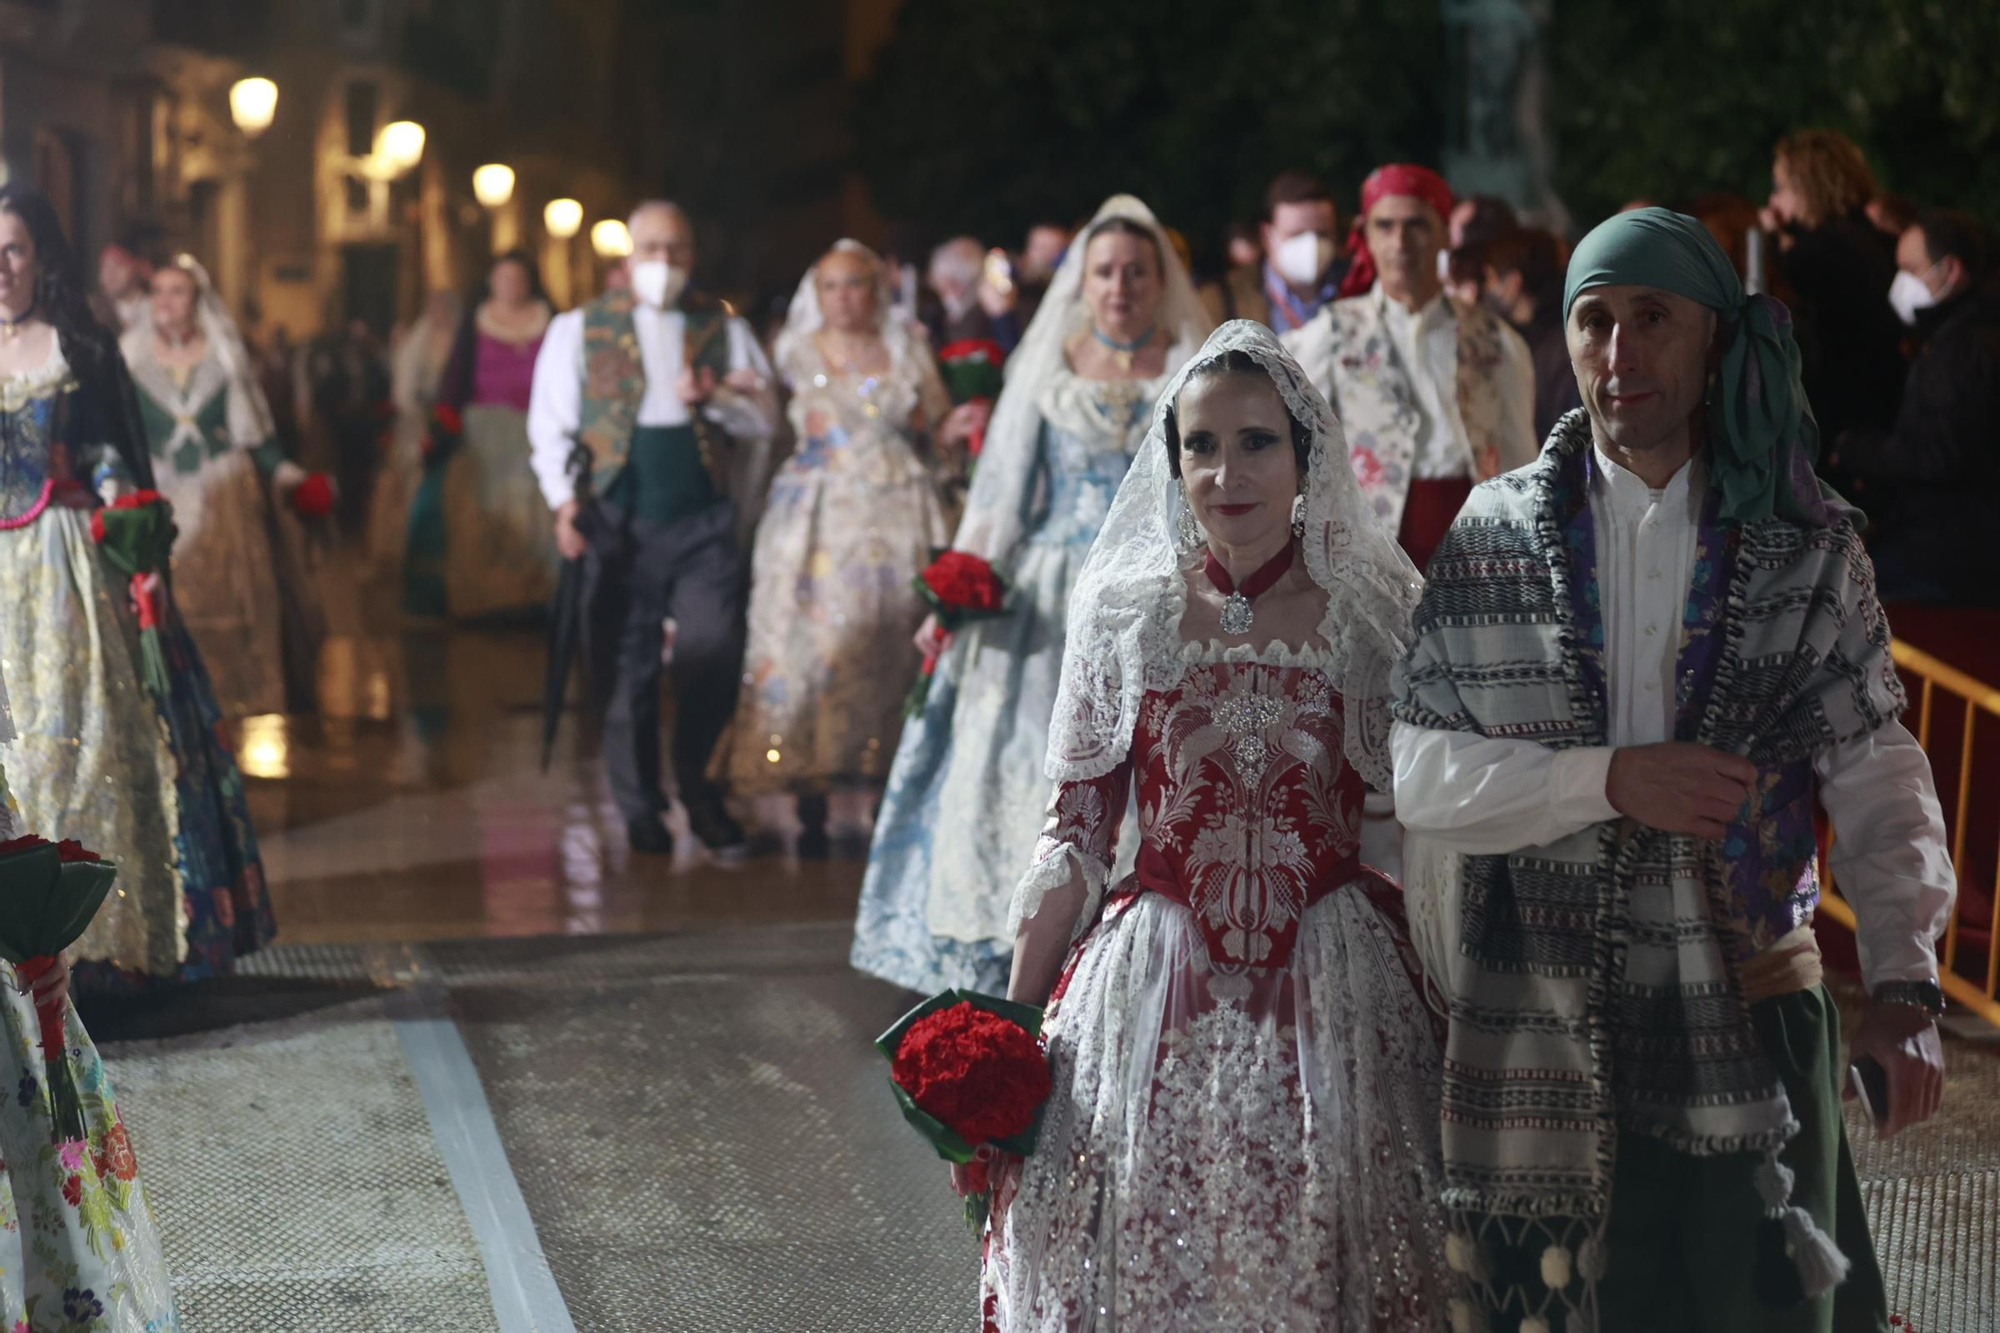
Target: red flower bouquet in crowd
[
  {"x": 960, "y": 588},
  {"x": 136, "y": 533},
  {"x": 969, "y": 1071},
  {"x": 314, "y": 497},
  {"x": 443, "y": 436},
  {"x": 48, "y": 893},
  {"x": 973, "y": 369}
]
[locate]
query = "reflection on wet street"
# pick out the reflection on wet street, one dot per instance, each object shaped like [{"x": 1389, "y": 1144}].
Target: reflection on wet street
[{"x": 414, "y": 807}]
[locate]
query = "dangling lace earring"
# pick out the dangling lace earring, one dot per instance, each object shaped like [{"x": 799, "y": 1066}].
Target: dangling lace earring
[
  {"x": 1299, "y": 516},
  {"x": 1187, "y": 529}
]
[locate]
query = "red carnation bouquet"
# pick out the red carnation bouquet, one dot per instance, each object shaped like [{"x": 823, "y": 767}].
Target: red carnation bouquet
[
  {"x": 973, "y": 370},
  {"x": 447, "y": 426},
  {"x": 48, "y": 894},
  {"x": 136, "y": 533},
  {"x": 960, "y": 588},
  {"x": 314, "y": 497},
  {"x": 969, "y": 1071}
]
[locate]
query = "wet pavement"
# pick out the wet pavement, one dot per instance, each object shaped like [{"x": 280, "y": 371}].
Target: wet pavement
[{"x": 501, "y": 1074}]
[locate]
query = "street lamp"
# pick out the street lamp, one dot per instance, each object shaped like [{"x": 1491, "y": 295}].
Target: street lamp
[
  {"x": 493, "y": 185},
  {"x": 400, "y": 146},
  {"x": 563, "y": 218},
  {"x": 610, "y": 239},
  {"x": 253, "y": 104}
]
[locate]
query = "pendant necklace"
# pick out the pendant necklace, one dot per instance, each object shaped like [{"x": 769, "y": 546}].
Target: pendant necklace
[
  {"x": 1122, "y": 351},
  {"x": 11, "y": 328},
  {"x": 1236, "y": 610}
]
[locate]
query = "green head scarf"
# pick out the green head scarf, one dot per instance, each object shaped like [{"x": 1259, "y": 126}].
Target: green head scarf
[{"x": 1761, "y": 435}]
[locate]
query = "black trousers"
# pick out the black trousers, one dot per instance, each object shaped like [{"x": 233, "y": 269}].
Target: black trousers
[{"x": 687, "y": 570}]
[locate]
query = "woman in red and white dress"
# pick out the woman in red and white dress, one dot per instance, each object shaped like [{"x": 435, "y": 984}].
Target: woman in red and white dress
[{"x": 1244, "y": 1128}]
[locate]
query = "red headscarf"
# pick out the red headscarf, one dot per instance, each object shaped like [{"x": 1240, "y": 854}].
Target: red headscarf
[
  {"x": 139, "y": 265},
  {"x": 1396, "y": 178}
]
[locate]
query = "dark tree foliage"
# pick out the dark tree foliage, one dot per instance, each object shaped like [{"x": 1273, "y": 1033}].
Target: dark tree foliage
[
  {"x": 1702, "y": 89},
  {"x": 986, "y": 117},
  {"x": 983, "y": 117}
]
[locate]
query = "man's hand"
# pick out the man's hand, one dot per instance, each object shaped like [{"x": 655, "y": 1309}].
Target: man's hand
[
  {"x": 1678, "y": 787},
  {"x": 1904, "y": 1041},
  {"x": 568, "y": 540},
  {"x": 695, "y": 385}
]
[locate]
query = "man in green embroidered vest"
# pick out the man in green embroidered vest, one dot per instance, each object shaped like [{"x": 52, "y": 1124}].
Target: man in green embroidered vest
[
  {"x": 1639, "y": 665},
  {"x": 637, "y": 400}
]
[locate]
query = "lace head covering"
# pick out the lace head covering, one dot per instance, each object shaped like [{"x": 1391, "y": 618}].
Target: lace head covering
[
  {"x": 995, "y": 506},
  {"x": 790, "y": 350},
  {"x": 224, "y": 339},
  {"x": 1125, "y": 614}
]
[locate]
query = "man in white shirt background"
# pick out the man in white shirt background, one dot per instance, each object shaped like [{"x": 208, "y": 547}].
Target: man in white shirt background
[
  {"x": 638, "y": 398},
  {"x": 1433, "y": 394},
  {"x": 1637, "y": 666}
]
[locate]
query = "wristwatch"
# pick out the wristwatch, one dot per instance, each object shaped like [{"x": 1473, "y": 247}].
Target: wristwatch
[{"x": 1925, "y": 995}]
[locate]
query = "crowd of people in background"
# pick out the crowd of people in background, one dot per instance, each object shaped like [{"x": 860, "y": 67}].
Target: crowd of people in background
[{"x": 750, "y": 515}]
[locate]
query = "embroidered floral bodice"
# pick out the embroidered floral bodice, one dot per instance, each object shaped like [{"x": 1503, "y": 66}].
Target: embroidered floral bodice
[
  {"x": 1248, "y": 812},
  {"x": 29, "y": 458}
]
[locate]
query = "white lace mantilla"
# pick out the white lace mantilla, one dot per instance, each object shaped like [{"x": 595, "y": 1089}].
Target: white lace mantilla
[{"x": 1125, "y": 618}]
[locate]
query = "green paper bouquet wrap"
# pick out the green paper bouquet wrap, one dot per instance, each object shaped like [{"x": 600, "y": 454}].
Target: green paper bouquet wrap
[
  {"x": 136, "y": 534},
  {"x": 49, "y": 893},
  {"x": 970, "y": 1071}
]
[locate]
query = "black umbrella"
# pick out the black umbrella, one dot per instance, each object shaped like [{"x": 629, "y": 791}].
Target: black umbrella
[
  {"x": 566, "y": 616},
  {"x": 572, "y": 615}
]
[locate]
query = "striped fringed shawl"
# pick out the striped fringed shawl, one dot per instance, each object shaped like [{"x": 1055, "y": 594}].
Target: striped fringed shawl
[{"x": 1574, "y": 960}]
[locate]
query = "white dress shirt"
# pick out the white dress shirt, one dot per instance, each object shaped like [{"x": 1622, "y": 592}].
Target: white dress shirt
[
  {"x": 1480, "y": 796},
  {"x": 1426, "y": 342},
  {"x": 555, "y": 404}
]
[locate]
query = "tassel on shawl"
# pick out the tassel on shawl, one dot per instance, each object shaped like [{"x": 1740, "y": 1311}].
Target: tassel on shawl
[{"x": 1821, "y": 1265}]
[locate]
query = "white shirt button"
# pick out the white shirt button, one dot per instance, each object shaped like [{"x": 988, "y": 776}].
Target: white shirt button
[
  {"x": 1652, "y": 629},
  {"x": 1652, "y": 686},
  {"x": 1653, "y": 574}
]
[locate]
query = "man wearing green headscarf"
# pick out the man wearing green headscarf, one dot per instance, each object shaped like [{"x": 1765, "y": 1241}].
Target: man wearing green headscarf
[{"x": 1638, "y": 665}]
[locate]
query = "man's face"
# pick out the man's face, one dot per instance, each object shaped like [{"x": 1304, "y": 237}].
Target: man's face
[
  {"x": 662, "y": 233},
  {"x": 1641, "y": 357},
  {"x": 1405, "y": 235},
  {"x": 1942, "y": 277},
  {"x": 1288, "y": 220},
  {"x": 1043, "y": 252},
  {"x": 116, "y": 274}
]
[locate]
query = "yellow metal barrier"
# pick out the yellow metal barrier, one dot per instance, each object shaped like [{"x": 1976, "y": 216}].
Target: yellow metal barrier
[{"x": 1978, "y": 697}]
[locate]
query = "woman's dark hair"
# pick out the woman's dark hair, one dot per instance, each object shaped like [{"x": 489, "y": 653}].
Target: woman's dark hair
[
  {"x": 61, "y": 296},
  {"x": 528, "y": 266},
  {"x": 1234, "y": 362},
  {"x": 1127, "y": 227}
]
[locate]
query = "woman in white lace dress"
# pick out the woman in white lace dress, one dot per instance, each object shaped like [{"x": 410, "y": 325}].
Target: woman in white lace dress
[
  {"x": 1243, "y": 1132},
  {"x": 1119, "y": 318}
]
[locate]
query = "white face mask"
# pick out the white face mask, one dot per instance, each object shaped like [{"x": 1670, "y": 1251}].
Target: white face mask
[
  {"x": 658, "y": 283},
  {"x": 1301, "y": 259},
  {"x": 1910, "y": 294}
]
